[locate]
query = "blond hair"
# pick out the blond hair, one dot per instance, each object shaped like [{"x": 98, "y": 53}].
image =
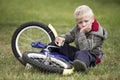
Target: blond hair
[{"x": 83, "y": 11}]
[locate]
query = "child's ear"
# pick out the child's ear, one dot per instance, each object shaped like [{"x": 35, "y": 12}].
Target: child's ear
[{"x": 93, "y": 20}]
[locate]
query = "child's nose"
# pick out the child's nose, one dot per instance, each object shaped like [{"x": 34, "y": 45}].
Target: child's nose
[{"x": 83, "y": 24}]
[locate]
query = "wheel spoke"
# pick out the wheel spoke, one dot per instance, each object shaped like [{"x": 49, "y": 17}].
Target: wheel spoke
[{"x": 27, "y": 38}]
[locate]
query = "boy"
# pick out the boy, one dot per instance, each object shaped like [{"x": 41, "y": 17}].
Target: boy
[{"x": 88, "y": 37}]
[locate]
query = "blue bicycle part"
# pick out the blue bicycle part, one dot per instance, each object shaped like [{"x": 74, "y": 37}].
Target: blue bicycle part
[
  {"x": 38, "y": 45},
  {"x": 53, "y": 54},
  {"x": 56, "y": 54}
]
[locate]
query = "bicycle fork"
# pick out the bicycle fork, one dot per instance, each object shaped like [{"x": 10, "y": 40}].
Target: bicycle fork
[{"x": 47, "y": 59}]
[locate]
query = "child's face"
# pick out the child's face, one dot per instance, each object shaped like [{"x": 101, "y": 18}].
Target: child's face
[{"x": 85, "y": 21}]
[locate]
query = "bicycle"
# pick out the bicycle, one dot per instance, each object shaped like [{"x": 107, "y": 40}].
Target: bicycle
[{"x": 28, "y": 45}]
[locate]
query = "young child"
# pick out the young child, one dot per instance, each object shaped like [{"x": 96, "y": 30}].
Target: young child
[{"x": 88, "y": 36}]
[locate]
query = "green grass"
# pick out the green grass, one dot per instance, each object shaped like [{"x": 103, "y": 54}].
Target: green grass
[{"x": 60, "y": 15}]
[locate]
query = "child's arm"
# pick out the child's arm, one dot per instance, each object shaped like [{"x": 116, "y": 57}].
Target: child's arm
[
  {"x": 89, "y": 43},
  {"x": 69, "y": 36}
]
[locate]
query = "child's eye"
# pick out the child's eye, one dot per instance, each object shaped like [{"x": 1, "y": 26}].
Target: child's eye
[
  {"x": 86, "y": 20},
  {"x": 80, "y": 22}
]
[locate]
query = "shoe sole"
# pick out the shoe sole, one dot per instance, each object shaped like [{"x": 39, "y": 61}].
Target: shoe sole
[{"x": 79, "y": 66}]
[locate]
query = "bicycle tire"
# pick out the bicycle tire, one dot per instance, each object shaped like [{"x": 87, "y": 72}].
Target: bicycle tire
[
  {"x": 33, "y": 57},
  {"x": 24, "y": 27}
]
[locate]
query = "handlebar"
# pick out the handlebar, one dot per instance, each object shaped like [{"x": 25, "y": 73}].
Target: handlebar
[{"x": 51, "y": 46}]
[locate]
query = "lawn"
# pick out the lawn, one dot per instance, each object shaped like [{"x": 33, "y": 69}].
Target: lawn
[{"x": 60, "y": 14}]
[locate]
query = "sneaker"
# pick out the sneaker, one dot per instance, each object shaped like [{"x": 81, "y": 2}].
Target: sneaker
[{"x": 79, "y": 66}]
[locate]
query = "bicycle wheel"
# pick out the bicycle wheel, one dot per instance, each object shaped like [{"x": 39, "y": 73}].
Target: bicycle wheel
[
  {"x": 56, "y": 65},
  {"x": 28, "y": 33}
]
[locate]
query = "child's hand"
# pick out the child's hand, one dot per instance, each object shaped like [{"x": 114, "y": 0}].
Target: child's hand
[
  {"x": 59, "y": 41},
  {"x": 86, "y": 29}
]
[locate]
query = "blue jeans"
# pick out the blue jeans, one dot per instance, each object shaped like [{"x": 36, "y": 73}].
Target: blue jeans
[{"x": 74, "y": 53}]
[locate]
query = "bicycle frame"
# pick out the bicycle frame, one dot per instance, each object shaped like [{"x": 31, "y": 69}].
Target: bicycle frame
[{"x": 48, "y": 53}]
